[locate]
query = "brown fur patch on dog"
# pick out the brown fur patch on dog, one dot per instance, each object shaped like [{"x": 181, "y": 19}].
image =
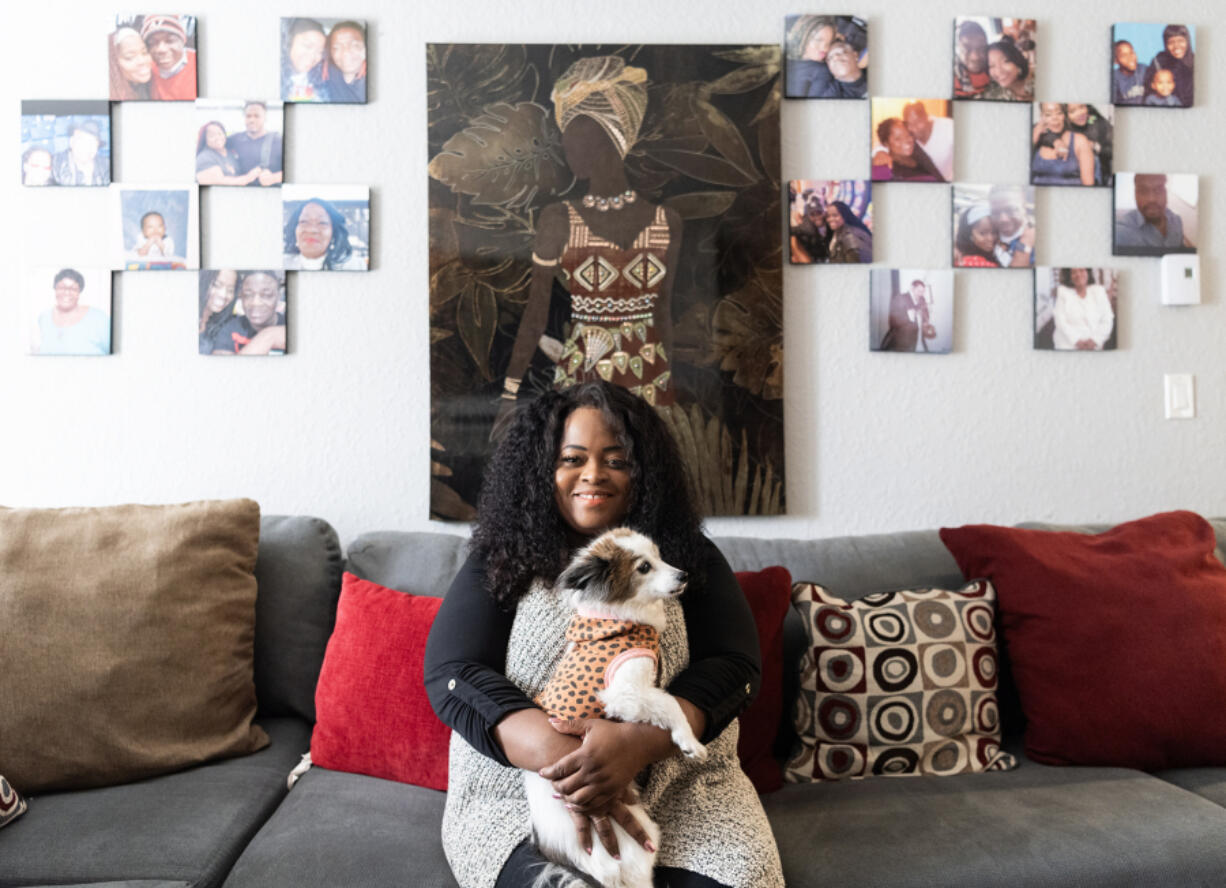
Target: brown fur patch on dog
[{"x": 620, "y": 577}]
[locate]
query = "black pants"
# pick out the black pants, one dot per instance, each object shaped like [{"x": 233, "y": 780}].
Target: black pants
[{"x": 525, "y": 863}]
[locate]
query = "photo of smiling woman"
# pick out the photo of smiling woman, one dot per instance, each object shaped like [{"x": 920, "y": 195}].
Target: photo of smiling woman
[
  {"x": 326, "y": 227},
  {"x": 994, "y": 58},
  {"x": 69, "y": 310},
  {"x": 242, "y": 312}
]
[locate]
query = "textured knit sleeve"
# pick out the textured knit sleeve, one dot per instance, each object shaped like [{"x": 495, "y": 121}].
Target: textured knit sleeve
[
  {"x": 465, "y": 668},
  {"x": 725, "y": 664}
]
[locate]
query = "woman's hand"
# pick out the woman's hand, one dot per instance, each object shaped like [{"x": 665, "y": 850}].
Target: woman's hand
[
  {"x": 251, "y": 175},
  {"x": 620, "y": 813},
  {"x": 597, "y": 773},
  {"x": 265, "y": 341}
]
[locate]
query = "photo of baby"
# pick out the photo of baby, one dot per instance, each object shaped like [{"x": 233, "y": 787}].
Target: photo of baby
[
  {"x": 323, "y": 60},
  {"x": 65, "y": 143},
  {"x": 993, "y": 226},
  {"x": 1166, "y": 81},
  {"x": 153, "y": 57},
  {"x": 69, "y": 310},
  {"x": 994, "y": 59},
  {"x": 239, "y": 143},
  {"x": 156, "y": 228},
  {"x": 826, "y": 57},
  {"x": 242, "y": 312}
]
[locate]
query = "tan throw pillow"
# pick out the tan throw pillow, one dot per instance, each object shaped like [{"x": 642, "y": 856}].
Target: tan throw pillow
[{"x": 127, "y": 641}]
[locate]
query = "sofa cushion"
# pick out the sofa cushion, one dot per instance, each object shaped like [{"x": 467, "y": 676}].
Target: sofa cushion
[
  {"x": 374, "y": 716},
  {"x": 1209, "y": 783},
  {"x": 299, "y": 575},
  {"x": 1150, "y": 699},
  {"x": 346, "y": 829},
  {"x": 769, "y": 593},
  {"x": 1033, "y": 827},
  {"x": 128, "y": 636},
  {"x": 188, "y": 827},
  {"x": 12, "y": 805},
  {"x": 898, "y": 684}
]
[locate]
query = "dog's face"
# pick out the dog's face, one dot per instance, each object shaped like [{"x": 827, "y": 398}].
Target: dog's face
[{"x": 621, "y": 567}]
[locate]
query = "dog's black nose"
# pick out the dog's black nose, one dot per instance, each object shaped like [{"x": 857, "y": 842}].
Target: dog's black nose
[{"x": 682, "y": 576}]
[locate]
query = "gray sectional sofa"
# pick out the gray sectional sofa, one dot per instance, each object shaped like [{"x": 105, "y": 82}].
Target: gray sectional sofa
[{"x": 234, "y": 823}]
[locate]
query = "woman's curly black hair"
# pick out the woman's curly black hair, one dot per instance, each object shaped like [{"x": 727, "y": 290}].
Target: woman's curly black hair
[{"x": 519, "y": 533}]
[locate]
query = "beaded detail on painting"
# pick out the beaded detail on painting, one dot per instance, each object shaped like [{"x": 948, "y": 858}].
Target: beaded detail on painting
[{"x": 613, "y": 299}]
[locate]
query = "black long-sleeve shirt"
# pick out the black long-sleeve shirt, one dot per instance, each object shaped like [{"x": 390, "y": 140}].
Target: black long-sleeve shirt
[{"x": 465, "y": 668}]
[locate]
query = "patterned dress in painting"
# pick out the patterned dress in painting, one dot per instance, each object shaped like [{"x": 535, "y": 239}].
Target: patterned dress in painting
[{"x": 614, "y": 293}]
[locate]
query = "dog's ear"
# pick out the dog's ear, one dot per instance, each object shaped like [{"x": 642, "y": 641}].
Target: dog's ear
[{"x": 588, "y": 575}]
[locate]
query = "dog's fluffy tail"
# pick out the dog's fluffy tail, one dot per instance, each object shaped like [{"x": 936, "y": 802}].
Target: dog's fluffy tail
[{"x": 554, "y": 876}]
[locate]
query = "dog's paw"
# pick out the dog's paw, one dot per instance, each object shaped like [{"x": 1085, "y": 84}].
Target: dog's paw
[{"x": 691, "y": 748}]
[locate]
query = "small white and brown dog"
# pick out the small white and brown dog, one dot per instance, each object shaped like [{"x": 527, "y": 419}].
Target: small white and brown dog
[{"x": 617, "y": 586}]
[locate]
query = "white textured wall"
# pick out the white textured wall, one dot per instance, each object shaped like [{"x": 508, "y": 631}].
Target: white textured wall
[{"x": 875, "y": 442}]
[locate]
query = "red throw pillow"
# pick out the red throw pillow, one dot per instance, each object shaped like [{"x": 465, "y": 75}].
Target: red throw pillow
[
  {"x": 1117, "y": 640},
  {"x": 372, "y": 714},
  {"x": 769, "y": 593}
]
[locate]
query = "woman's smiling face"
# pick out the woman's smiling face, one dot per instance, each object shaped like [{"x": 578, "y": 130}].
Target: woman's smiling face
[
  {"x": 983, "y": 234},
  {"x": 1003, "y": 71},
  {"x": 592, "y": 473},
  {"x": 313, "y": 233}
]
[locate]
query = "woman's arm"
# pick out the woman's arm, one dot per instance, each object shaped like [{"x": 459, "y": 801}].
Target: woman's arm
[
  {"x": 553, "y": 229},
  {"x": 1085, "y": 158},
  {"x": 465, "y": 668},
  {"x": 215, "y": 176}
]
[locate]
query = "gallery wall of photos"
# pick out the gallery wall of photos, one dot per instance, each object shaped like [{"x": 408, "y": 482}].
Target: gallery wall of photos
[{"x": 238, "y": 143}]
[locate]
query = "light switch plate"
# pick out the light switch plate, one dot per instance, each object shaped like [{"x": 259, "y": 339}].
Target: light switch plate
[
  {"x": 1180, "y": 396},
  {"x": 1180, "y": 279}
]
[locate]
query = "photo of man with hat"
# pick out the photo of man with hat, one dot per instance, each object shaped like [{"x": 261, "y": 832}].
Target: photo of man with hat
[{"x": 171, "y": 42}]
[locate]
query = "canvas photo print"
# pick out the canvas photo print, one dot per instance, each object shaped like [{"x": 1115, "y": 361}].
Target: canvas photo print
[
  {"x": 323, "y": 60},
  {"x": 242, "y": 312},
  {"x": 826, "y": 57},
  {"x": 155, "y": 228},
  {"x": 625, "y": 243},
  {"x": 1071, "y": 143},
  {"x": 153, "y": 56},
  {"x": 326, "y": 227},
  {"x": 994, "y": 58},
  {"x": 1155, "y": 214},
  {"x": 1152, "y": 64},
  {"x": 994, "y": 226},
  {"x": 239, "y": 142},
  {"x": 830, "y": 221},
  {"x": 912, "y": 140},
  {"x": 65, "y": 143},
  {"x": 1075, "y": 309},
  {"x": 911, "y": 310},
  {"x": 68, "y": 310}
]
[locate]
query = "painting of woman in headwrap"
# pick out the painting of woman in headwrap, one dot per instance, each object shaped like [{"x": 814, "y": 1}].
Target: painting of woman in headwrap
[
  {"x": 614, "y": 249},
  {"x": 608, "y": 214}
]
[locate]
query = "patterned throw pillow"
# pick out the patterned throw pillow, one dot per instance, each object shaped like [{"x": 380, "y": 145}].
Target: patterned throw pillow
[
  {"x": 898, "y": 684},
  {"x": 12, "y": 805}
]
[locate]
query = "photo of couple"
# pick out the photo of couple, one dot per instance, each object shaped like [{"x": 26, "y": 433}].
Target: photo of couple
[
  {"x": 993, "y": 226},
  {"x": 1166, "y": 81},
  {"x": 912, "y": 140},
  {"x": 65, "y": 143},
  {"x": 323, "y": 60},
  {"x": 239, "y": 143},
  {"x": 994, "y": 59},
  {"x": 830, "y": 221},
  {"x": 826, "y": 57},
  {"x": 242, "y": 312},
  {"x": 153, "y": 57}
]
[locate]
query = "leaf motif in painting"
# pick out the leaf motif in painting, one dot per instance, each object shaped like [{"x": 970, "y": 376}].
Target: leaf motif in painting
[
  {"x": 477, "y": 321},
  {"x": 462, "y": 79},
  {"x": 509, "y": 156}
]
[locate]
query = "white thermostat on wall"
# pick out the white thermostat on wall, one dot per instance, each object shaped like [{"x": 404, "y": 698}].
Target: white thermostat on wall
[{"x": 1180, "y": 279}]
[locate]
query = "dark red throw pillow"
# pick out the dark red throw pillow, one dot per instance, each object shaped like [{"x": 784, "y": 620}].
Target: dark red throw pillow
[
  {"x": 372, "y": 714},
  {"x": 769, "y": 593},
  {"x": 1117, "y": 640}
]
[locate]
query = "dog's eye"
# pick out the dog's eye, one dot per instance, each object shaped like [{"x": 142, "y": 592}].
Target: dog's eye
[{"x": 645, "y": 567}]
